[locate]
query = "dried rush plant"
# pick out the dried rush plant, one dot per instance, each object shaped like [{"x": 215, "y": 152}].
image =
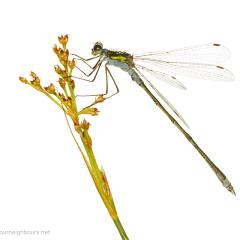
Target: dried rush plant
[{"x": 66, "y": 101}]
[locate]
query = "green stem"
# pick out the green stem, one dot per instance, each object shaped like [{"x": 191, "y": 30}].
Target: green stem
[
  {"x": 94, "y": 169},
  {"x": 121, "y": 229},
  {"x": 66, "y": 92},
  {"x": 49, "y": 96},
  {"x": 92, "y": 160},
  {"x": 100, "y": 187}
]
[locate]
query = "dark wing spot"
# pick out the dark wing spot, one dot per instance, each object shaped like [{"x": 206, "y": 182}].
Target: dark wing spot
[
  {"x": 216, "y": 44},
  {"x": 220, "y": 67}
]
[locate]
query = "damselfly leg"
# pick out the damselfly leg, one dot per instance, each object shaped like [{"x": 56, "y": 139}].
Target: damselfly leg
[
  {"x": 85, "y": 60},
  {"x": 115, "y": 84},
  {"x": 95, "y": 69},
  {"x": 107, "y": 72}
]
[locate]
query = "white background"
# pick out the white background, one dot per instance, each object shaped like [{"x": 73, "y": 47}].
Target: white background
[{"x": 162, "y": 187}]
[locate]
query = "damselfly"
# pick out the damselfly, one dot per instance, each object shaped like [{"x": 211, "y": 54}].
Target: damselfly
[{"x": 197, "y": 62}]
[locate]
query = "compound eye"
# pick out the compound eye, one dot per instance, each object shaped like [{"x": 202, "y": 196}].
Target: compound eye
[{"x": 98, "y": 46}]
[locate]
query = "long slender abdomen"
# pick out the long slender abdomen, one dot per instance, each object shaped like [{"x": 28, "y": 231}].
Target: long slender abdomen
[{"x": 223, "y": 179}]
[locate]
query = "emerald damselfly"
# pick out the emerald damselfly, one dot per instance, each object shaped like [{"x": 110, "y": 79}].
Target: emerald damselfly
[{"x": 195, "y": 62}]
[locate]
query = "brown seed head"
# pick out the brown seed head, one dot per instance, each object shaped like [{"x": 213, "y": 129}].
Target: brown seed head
[
  {"x": 61, "y": 95},
  {"x": 63, "y": 56},
  {"x": 71, "y": 64},
  {"x": 50, "y": 89},
  {"x": 56, "y": 49},
  {"x": 63, "y": 40},
  {"x": 69, "y": 102},
  {"x": 90, "y": 111},
  {"x": 85, "y": 136},
  {"x": 36, "y": 83},
  {"x": 72, "y": 83},
  {"x": 84, "y": 125},
  {"x": 59, "y": 71},
  {"x": 24, "y": 80},
  {"x": 63, "y": 53},
  {"x": 99, "y": 99},
  {"x": 62, "y": 83},
  {"x": 33, "y": 74}
]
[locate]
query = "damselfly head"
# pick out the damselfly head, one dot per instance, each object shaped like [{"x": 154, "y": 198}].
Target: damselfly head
[{"x": 97, "y": 49}]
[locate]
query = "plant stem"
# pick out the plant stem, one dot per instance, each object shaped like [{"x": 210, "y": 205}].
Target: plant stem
[
  {"x": 67, "y": 102},
  {"x": 121, "y": 229},
  {"x": 100, "y": 185}
]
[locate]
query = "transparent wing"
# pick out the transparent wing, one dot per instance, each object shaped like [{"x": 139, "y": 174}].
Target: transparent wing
[
  {"x": 162, "y": 97},
  {"x": 162, "y": 76},
  {"x": 195, "y": 70},
  {"x": 211, "y": 53}
]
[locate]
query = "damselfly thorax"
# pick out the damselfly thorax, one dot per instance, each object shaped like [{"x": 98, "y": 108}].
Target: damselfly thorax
[
  {"x": 124, "y": 61},
  {"x": 119, "y": 59}
]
